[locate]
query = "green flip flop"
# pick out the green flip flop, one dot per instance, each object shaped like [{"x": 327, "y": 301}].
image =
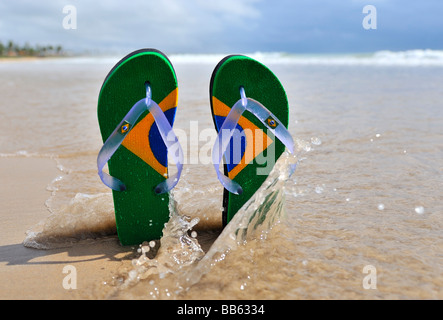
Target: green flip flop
[
  {"x": 251, "y": 115},
  {"x": 136, "y": 110}
]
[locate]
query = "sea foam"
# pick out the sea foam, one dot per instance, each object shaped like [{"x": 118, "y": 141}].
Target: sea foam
[{"x": 418, "y": 57}]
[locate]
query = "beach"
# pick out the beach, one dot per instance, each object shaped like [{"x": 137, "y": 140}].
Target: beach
[{"x": 365, "y": 199}]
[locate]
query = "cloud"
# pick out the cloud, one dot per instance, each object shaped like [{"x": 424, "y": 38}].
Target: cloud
[
  {"x": 193, "y": 25},
  {"x": 224, "y": 26}
]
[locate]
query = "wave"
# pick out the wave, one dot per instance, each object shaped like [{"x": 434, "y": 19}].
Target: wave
[
  {"x": 417, "y": 57},
  {"x": 380, "y": 58}
]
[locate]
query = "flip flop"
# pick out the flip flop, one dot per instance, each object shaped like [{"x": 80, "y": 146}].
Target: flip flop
[
  {"x": 137, "y": 134},
  {"x": 250, "y": 142}
]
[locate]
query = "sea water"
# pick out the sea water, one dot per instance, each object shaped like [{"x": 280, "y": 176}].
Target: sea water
[{"x": 366, "y": 191}]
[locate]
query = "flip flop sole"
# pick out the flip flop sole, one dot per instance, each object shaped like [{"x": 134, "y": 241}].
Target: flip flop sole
[
  {"x": 254, "y": 151},
  {"x": 141, "y": 160}
]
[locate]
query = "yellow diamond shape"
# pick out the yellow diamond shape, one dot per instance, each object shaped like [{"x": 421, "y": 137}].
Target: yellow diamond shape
[{"x": 256, "y": 140}]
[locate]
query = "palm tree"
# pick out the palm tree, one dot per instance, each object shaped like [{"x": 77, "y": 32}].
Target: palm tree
[{"x": 13, "y": 49}]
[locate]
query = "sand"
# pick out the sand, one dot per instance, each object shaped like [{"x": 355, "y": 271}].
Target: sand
[
  {"x": 27, "y": 273},
  {"x": 368, "y": 195},
  {"x": 19, "y": 59}
]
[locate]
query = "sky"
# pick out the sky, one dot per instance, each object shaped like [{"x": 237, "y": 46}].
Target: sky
[{"x": 228, "y": 26}]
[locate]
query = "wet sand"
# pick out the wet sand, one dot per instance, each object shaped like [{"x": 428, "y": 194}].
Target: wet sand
[
  {"x": 368, "y": 191},
  {"x": 27, "y": 273}
]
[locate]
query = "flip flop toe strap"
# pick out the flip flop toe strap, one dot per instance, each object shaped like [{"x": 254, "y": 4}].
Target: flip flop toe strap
[
  {"x": 121, "y": 131},
  {"x": 228, "y": 128}
]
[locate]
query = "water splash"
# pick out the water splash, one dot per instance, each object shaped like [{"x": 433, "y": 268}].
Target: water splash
[
  {"x": 253, "y": 221},
  {"x": 419, "y": 209},
  {"x": 180, "y": 262},
  {"x": 177, "y": 259},
  {"x": 178, "y": 249},
  {"x": 84, "y": 217}
]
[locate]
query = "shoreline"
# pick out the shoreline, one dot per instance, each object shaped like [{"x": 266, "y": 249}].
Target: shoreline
[
  {"x": 19, "y": 59},
  {"x": 5, "y": 59}
]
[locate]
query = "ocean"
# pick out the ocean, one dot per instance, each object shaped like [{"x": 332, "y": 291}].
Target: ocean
[{"x": 360, "y": 218}]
